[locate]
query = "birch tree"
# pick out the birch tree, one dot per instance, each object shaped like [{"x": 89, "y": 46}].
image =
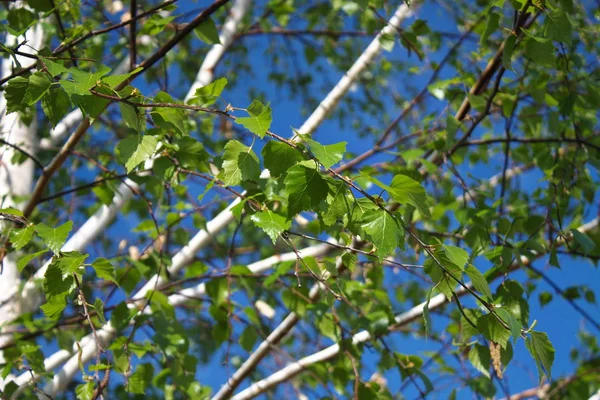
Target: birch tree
[{"x": 347, "y": 199}]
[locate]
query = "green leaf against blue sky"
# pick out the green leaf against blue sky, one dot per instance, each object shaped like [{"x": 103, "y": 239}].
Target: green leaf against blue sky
[
  {"x": 384, "y": 230},
  {"x": 104, "y": 269},
  {"x": 271, "y": 223},
  {"x": 69, "y": 262},
  {"x": 207, "y": 32},
  {"x": 240, "y": 163},
  {"x": 583, "y": 240},
  {"x": 328, "y": 155},
  {"x": 168, "y": 117},
  {"x": 539, "y": 346},
  {"x": 480, "y": 358},
  {"x": 405, "y": 190},
  {"x": 135, "y": 149},
  {"x": 479, "y": 282},
  {"x": 279, "y": 157},
  {"x": 493, "y": 330},
  {"x": 208, "y": 95},
  {"x": 133, "y": 117},
  {"x": 305, "y": 188},
  {"x": 259, "y": 119}
]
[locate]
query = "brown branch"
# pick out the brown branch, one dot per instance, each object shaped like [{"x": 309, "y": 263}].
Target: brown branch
[
  {"x": 493, "y": 65},
  {"x": 303, "y": 32},
  {"x": 24, "y": 152},
  {"x": 82, "y": 187}
]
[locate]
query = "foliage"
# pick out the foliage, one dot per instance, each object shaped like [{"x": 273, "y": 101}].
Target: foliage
[{"x": 240, "y": 226}]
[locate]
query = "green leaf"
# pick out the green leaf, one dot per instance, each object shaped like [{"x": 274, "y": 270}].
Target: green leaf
[
  {"x": 54, "y": 307},
  {"x": 133, "y": 117},
  {"x": 12, "y": 211},
  {"x": 272, "y": 223},
  {"x": 279, "y": 157},
  {"x": 540, "y": 52},
  {"x": 509, "y": 46},
  {"x": 54, "y": 238},
  {"x": 406, "y": 190},
  {"x": 554, "y": 258},
  {"x": 542, "y": 351},
  {"x": 490, "y": 27},
  {"x": 99, "y": 307},
  {"x": 15, "y": 94},
  {"x": 191, "y": 154},
  {"x": 328, "y": 155},
  {"x": 426, "y": 315},
  {"x": 115, "y": 80},
  {"x": 56, "y": 104},
  {"x": 24, "y": 260},
  {"x": 479, "y": 281},
  {"x": 493, "y": 330},
  {"x": 57, "y": 282},
  {"x": 85, "y": 391},
  {"x": 166, "y": 117},
  {"x": 20, "y": 237},
  {"x": 70, "y": 261},
  {"x": 40, "y": 5},
  {"x": 217, "y": 290},
  {"x": 511, "y": 321},
  {"x": 104, "y": 269},
  {"x": 440, "y": 277},
  {"x": 240, "y": 163},
  {"x": 387, "y": 42},
  {"x": 208, "y": 95},
  {"x": 544, "y": 298},
  {"x": 39, "y": 84},
  {"x": 480, "y": 358},
  {"x": 53, "y": 67},
  {"x": 384, "y": 231},
  {"x": 207, "y": 32},
  {"x": 82, "y": 81},
  {"x": 456, "y": 255},
  {"x": 134, "y": 150},
  {"x": 248, "y": 338},
  {"x": 92, "y": 106},
  {"x": 140, "y": 379},
  {"x": 341, "y": 204},
  {"x": 19, "y": 20},
  {"x": 583, "y": 240},
  {"x": 259, "y": 120},
  {"x": 305, "y": 187}
]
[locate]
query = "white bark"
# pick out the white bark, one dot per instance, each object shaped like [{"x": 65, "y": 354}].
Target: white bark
[
  {"x": 15, "y": 179},
  {"x": 359, "y": 66},
  {"x": 330, "y": 352}
]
